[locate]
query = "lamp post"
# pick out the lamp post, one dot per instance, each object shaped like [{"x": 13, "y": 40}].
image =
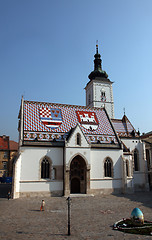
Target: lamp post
[{"x": 69, "y": 203}]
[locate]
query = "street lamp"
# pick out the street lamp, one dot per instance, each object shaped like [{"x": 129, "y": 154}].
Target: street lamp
[{"x": 69, "y": 203}]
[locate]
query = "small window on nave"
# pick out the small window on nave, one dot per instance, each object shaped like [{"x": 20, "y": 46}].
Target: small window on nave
[
  {"x": 136, "y": 160},
  {"x": 148, "y": 159},
  {"x": 127, "y": 168},
  {"x": 54, "y": 174},
  {"x": 108, "y": 167},
  {"x": 78, "y": 140},
  {"x": 45, "y": 168}
]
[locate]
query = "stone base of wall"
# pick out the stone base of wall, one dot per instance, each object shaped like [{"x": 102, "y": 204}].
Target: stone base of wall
[
  {"x": 129, "y": 190},
  {"x": 105, "y": 191},
  {"x": 141, "y": 187},
  {"x": 41, "y": 194}
]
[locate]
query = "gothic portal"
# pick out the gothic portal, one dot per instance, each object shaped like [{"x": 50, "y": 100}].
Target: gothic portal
[{"x": 78, "y": 175}]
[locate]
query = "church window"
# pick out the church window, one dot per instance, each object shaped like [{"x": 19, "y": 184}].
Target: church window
[
  {"x": 89, "y": 100},
  {"x": 136, "y": 160},
  {"x": 127, "y": 168},
  {"x": 45, "y": 168},
  {"x": 78, "y": 139},
  {"x": 108, "y": 168},
  {"x": 148, "y": 159}
]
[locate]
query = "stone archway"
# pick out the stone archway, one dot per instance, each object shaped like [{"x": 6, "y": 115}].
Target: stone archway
[{"x": 78, "y": 175}]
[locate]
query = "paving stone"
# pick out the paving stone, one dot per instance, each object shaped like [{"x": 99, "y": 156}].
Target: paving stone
[{"x": 92, "y": 218}]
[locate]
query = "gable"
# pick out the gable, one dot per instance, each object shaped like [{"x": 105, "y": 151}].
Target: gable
[
  {"x": 49, "y": 121},
  {"x": 124, "y": 128},
  {"x": 76, "y": 138}
]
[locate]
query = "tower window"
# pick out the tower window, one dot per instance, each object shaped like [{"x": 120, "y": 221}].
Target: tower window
[
  {"x": 103, "y": 94},
  {"x": 89, "y": 99}
]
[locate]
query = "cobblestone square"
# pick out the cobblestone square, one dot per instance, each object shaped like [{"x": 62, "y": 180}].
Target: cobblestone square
[{"x": 92, "y": 218}]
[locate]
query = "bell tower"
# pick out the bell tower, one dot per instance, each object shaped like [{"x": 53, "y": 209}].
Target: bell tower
[{"x": 99, "y": 91}]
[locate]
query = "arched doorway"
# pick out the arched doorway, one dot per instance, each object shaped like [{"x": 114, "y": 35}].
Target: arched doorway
[
  {"x": 75, "y": 185},
  {"x": 78, "y": 175}
]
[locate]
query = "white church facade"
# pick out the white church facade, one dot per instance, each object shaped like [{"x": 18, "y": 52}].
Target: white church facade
[{"x": 67, "y": 149}]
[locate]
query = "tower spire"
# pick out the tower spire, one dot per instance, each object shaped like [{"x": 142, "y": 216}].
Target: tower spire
[
  {"x": 98, "y": 72},
  {"x": 97, "y": 60}
]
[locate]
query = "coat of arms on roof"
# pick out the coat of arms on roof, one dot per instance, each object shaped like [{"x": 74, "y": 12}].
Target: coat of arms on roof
[
  {"x": 50, "y": 117},
  {"x": 87, "y": 119}
]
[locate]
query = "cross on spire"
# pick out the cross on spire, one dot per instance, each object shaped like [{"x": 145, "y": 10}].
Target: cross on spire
[{"x": 97, "y": 47}]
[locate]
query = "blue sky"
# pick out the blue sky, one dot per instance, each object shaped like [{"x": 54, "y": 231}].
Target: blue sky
[{"x": 47, "y": 50}]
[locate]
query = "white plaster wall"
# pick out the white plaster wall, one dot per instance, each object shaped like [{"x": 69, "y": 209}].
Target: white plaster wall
[
  {"x": 97, "y": 162},
  {"x": 139, "y": 178},
  {"x": 41, "y": 186},
  {"x": 17, "y": 173},
  {"x": 30, "y": 160},
  {"x": 106, "y": 184},
  {"x": 129, "y": 182},
  {"x": 97, "y": 168},
  {"x": 16, "y": 182},
  {"x": 132, "y": 144}
]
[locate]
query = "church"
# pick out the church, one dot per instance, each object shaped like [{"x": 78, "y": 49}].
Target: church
[{"x": 70, "y": 149}]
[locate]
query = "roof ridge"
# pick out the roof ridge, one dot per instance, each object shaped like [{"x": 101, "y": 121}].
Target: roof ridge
[{"x": 64, "y": 104}]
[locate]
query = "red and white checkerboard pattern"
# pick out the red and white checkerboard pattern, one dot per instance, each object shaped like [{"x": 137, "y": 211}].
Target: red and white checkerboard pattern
[
  {"x": 45, "y": 112},
  {"x": 34, "y": 111}
]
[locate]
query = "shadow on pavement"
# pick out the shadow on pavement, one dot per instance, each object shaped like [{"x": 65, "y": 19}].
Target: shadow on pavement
[{"x": 145, "y": 198}]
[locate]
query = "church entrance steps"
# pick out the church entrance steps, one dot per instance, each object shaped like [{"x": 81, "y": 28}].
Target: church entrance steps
[{"x": 75, "y": 195}]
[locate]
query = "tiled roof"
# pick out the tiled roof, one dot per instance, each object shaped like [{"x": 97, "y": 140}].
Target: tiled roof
[
  {"x": 147, "y": 137},
  {"x": 4, "y": 143},
  {"x": 13, "y": 145},
  {"x": 48, "y": 121},
  {"x": 124, "y": 128}
]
